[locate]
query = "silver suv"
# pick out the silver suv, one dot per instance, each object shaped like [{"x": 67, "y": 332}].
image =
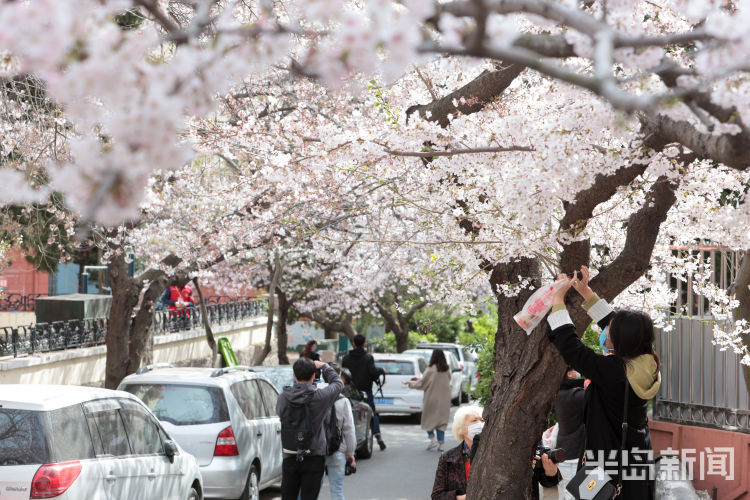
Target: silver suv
[
  {"x": 225, "y": 417},
  {"x": 70, "y": 443}
]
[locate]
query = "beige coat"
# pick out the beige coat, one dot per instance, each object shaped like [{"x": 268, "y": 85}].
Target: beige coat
[{"x": 436, "y": 404}]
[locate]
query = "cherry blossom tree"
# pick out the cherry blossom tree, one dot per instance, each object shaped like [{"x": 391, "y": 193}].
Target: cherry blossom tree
[{"x": 555, "y": 135}]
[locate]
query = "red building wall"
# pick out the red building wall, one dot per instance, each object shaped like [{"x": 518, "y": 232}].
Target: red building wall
[
  {"x": 695, "y": 440},
  {"x": 21, "y": 277}
]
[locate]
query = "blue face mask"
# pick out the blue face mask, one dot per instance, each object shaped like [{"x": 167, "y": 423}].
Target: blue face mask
[{"x": 603, "y": 339}]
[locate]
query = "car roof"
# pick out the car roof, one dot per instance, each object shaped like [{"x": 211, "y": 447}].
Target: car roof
[
  {"x": 190, "y": 375},
  {"x": 44, "y": 397},
  {"x": 431, "y": 345},
  {"x": 387, "y": 355},
  {"x": 418, "y": 352}
]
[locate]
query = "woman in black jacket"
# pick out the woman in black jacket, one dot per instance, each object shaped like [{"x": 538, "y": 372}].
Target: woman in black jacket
[{"x": 632, "y": 335}]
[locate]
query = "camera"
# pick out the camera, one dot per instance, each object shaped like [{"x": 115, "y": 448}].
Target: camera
[
  {"x": 557, "y": 455},
  {"x": 571, "y": 274},
  {"x": 350, "y": 469}
]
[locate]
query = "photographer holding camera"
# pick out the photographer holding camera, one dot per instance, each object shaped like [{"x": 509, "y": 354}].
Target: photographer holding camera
[{"x": 546, "y": 472}]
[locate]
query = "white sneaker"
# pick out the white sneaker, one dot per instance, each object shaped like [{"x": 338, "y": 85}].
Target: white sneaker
[{"x": 432, "y": 445}]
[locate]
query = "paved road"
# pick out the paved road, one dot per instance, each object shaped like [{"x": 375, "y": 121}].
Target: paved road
[{"x": 404, "y": 471}]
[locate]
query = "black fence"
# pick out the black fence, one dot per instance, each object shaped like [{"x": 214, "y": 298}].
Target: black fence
[
  {"x": 19, "y": 302},
  {"x": 61, "y": 335}
]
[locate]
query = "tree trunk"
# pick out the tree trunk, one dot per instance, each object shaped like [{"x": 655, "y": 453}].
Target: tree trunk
[
  {"x": 281, "y": 333},
  {"x": 207, "y": 326},
  {"x": 394, "y": 325},
  {"x": 528, "y": 371},
  {"x": 260, "y": 356},
  {"x": 141, "y": 342},
  {"x": 402, "y": 339},
  {"x": 742, "y": 293},
  {"x": 124, "y": 299}
]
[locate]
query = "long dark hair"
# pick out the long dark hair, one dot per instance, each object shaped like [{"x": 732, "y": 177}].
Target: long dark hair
[
  {"x": 632, "y": 334},
  {"x": 308, "y": 348},
  {"x": 438, "y": 360}
]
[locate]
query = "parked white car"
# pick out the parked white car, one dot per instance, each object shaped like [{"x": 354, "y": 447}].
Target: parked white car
[
  {"x": 398, "y": 397},
  {"x": 226, "y": 417},
  {"x": 467, "y": 359},
  {"x": 457, "y": 376},
  {"x": 73, "y": 443}
]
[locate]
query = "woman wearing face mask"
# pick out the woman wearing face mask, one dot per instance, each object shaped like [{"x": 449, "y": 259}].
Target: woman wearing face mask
[
  {"x": 455, "y": 464},
  {"x": 634, "y": 361}
]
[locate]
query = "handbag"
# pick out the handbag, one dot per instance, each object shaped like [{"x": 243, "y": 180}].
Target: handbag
[{"x": 592, "y": 482}]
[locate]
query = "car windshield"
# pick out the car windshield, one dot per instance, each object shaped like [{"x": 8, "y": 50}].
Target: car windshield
[
  {"x": 422, "y": 353},
  {"x": 23, "y": 438},
  {"x": 393, "y": 367},
  {"x": 279, "y": 377},
  {"x": 183, "y": 404}
]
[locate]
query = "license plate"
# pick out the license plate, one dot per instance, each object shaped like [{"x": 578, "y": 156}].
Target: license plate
[{"x": 383, "y": 401}]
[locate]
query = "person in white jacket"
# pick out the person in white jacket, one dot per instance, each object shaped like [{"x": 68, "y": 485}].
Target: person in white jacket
[{"x": 336, "y": 463}]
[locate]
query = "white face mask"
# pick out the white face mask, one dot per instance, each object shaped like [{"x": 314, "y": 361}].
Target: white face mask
[{"x": 474, "y": 429}]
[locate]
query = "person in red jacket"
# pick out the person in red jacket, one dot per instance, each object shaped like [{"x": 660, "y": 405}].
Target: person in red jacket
[{"x": 177, "y": 300}]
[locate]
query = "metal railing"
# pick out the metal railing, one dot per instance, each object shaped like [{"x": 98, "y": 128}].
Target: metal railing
[
  {"x": 701, "y": 384},
  {"x": 61, "y": 335},
  {"x": 19, "y": 302}
]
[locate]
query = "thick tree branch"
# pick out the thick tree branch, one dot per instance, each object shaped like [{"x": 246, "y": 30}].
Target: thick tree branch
[
  {"x": 642, "y": 231},
  {"x": 733, "y": 150},
  {"x": 470, "y": 98}
]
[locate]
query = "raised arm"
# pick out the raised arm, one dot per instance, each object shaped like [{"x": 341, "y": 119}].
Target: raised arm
[
  {"x": 335, "y": 384},
  {"x": 563, "y": 334}
]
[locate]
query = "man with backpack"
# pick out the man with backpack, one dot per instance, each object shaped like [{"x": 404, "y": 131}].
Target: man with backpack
[
  {"x": 304, "y": 413},
  {"x": 364, "y": 373}
]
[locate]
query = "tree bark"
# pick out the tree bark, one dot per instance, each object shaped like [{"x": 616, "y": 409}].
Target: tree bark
[
  {"x": 207, "y": 326},
  {"x": 141, "y": 342},
  {"x": 528, "y": 371},
  {"x": 260, "y": 356},
  {"x": 281, "y": 331},
  {"x": 124, "y": 299}
]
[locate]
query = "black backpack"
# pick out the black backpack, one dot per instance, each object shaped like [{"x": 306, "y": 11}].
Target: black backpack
[
  {"x": 334, "y": 435},
  {"x": 296, "y": 434}
]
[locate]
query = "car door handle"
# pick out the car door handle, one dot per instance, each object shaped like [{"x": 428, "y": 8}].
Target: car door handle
[
  {"x": 151, "y": 475},
  {"x": 258, "y": 434},
  {"x": 278, "y": 431},
  {"x": 110, "y": 477}
]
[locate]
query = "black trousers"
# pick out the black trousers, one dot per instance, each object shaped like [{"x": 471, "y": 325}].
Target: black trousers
[{"x": 304, "y": 477}]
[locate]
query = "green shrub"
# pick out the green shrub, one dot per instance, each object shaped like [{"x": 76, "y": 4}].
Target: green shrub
[{"x": 482, "y": 341}]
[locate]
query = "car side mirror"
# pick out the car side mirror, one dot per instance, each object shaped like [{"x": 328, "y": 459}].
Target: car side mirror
[{"x": 170, "y": 450}]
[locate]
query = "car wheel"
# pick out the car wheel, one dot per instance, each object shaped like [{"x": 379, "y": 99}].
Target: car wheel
[
  {"x": 464, "y": 397},
  {"x": 193, "y": 495},
  {"x": 365, "y": 451},
  {"x": 252, "y": 488},
  {"x": 457, "y": 400}
]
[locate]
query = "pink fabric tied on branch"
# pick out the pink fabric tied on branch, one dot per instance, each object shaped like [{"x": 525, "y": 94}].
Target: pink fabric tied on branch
[{"x": 537, "y": 306}]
